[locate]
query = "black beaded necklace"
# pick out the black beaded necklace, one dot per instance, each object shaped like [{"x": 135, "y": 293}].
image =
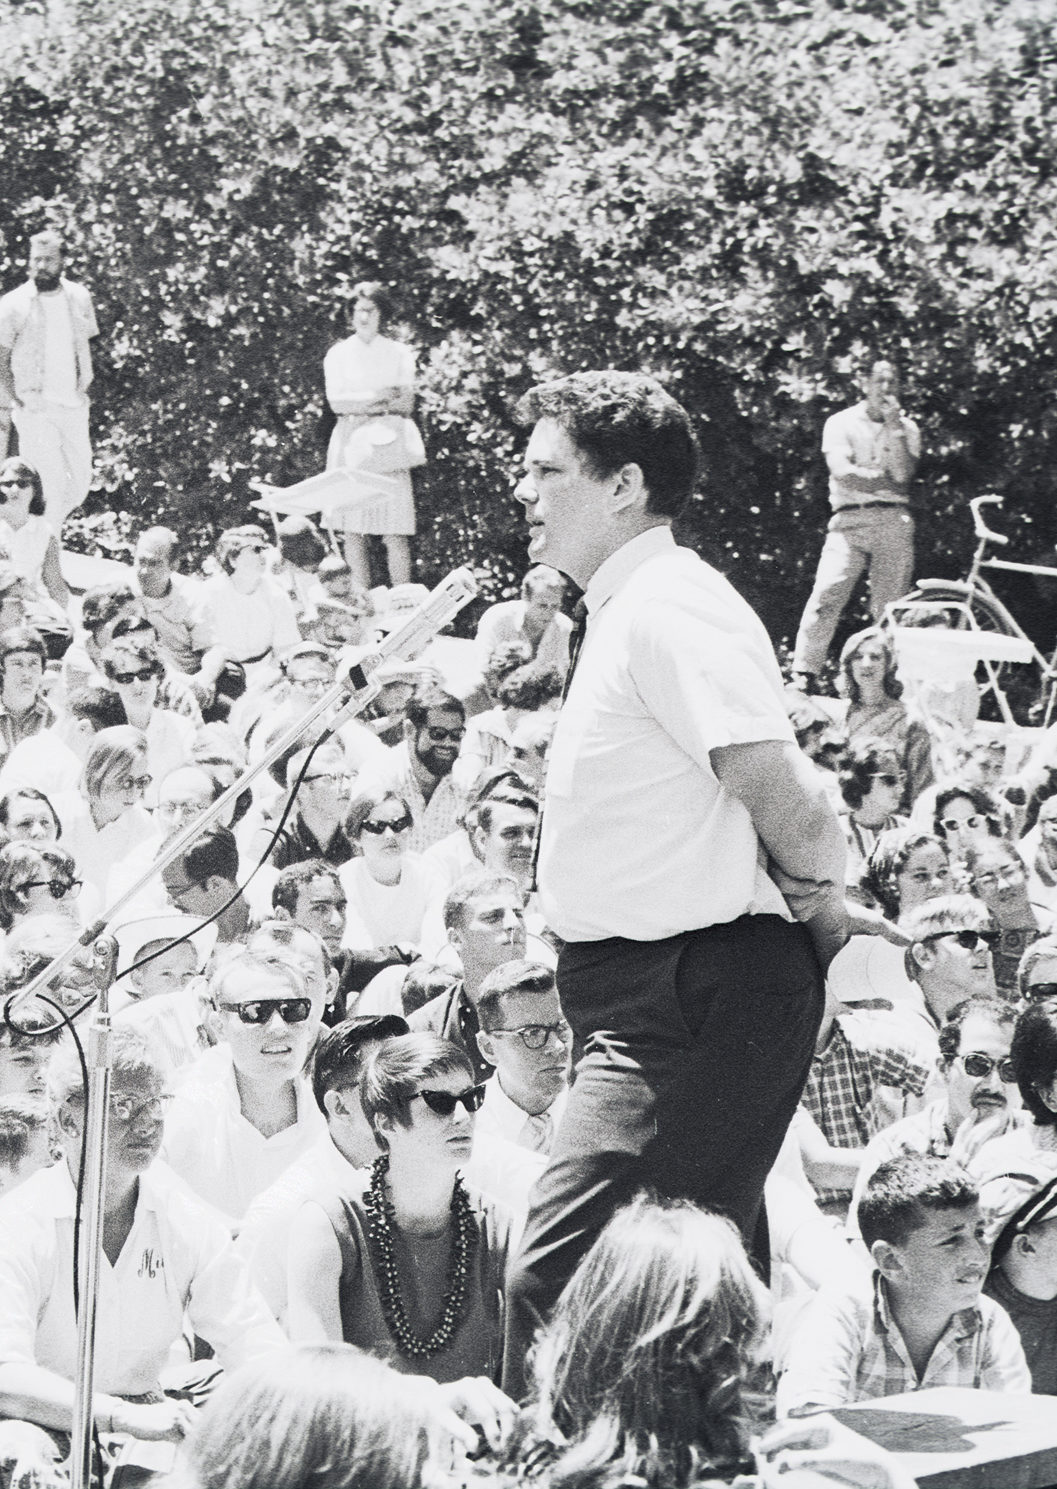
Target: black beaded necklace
[{"x": 380, "y": 1222}]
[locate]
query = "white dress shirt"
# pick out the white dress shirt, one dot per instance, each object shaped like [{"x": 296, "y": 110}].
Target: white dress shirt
[
  {"x": 639, "y": 839},
  {"x": 502, "y": 1118},
  {"x": 177, "y": 1257}
]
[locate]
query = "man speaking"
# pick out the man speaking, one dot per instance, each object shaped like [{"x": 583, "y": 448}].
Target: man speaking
[{"x": 684, "y": 839}]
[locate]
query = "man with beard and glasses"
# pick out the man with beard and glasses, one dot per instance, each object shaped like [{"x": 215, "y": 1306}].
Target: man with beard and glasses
[
  {"x": 980, "y": 1101},
  {"x": 46, "y": 325},
  {"x": 419, "y": 767}
]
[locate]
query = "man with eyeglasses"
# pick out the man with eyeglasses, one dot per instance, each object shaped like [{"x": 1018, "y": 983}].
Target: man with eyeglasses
[
  {"x": 315, "y": 827},
  {"x": 524, "y": 1035},
  {"x": 166, "y": 1259},
  {"x": 246, "y": 1112},
  {"x": 419, "y": 768},
  {"x": 980, "y": 1100},
  {"x": 949, "y": 957}
]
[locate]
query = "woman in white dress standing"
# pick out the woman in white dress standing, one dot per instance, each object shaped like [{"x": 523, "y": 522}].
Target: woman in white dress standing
[{"x": 370, "y": 386}]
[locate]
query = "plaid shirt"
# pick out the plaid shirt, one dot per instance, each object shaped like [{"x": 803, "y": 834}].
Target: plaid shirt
[
  {"x": 849, "y": 1348},
  {"x": 843, "y": 1081}
]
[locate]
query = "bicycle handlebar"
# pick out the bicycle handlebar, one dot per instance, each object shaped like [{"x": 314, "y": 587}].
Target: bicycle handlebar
[{"x": 979, "y": 525}]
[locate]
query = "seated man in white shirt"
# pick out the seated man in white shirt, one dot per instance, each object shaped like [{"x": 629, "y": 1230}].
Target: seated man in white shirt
[
  {"x": 245, "y": 1111},
  {"x": 165, "y": 1255},
  {"x": 535, "y": 619},
  {"x": 337, "y": 1062},
  {"x": 524, "y": 1035}
]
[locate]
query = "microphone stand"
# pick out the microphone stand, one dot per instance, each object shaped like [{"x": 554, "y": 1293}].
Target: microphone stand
[{"x": 346, "y": 698}]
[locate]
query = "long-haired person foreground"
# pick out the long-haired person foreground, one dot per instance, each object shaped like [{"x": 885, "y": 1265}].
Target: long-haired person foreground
[
  {"x": 323, "y": 1415},
  {"x": 639, "y": 1376}
]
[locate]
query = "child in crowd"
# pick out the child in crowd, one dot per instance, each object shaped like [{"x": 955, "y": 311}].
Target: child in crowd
[{"x": 920, "y": 1320}]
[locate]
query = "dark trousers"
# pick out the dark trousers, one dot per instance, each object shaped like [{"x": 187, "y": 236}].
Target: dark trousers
[{"x": 695, "y": 1050}]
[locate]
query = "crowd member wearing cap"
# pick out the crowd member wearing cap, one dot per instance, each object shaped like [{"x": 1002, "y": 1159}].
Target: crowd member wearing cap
[
  {"x": 245, "y": 1112},
  {"x": 165, "y": 1257},
  {"x": 245, "y": 605},
  {"x": 53, "y": 760},
  {"x": 336, "y": 1066},
  {"x": 172, "y": 604},
  {"x": 24, "y": 710},
  {"x": 980, "y": 1099},
  {"x": 1021, "y": 1209},
  {"x": 107, "y": 612},
  {"x": 535, "y": 620},
  {"x": 420, "y": 768}
]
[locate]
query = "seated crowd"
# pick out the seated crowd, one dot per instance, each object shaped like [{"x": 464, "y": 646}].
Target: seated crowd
[{"x": 340, "y": 1059}]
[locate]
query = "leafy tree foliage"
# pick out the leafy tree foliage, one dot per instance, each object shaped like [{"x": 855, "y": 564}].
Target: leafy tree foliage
[{"x": 744, "y": 197}]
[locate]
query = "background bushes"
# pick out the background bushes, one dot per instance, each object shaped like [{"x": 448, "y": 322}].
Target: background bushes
[{"x": 741, "y": 196}]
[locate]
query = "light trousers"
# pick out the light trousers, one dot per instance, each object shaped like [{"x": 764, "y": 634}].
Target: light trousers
[
  {"x": 878, "y": 541},
  {"x": 54, "y": 439}
]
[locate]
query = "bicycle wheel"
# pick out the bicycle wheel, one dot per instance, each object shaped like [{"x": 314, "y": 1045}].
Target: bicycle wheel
[{"x": 1020, "y": 683}]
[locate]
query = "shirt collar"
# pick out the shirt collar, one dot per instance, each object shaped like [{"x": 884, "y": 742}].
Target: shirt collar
[
  {"x": 964, "y": 1324},
  {"x": 619, "y": 566}
]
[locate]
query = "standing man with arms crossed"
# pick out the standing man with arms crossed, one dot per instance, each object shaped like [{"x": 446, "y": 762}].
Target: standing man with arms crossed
[
  {"x": 678, "y": 812},
  {"x": 872, "y": 450},
  {"x": 45, "y": 372}
]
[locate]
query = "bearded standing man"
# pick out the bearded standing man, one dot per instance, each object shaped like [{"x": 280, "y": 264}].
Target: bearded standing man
[
  {"x": 46, "y": 325},
  {"x": 682, "y": 833}
]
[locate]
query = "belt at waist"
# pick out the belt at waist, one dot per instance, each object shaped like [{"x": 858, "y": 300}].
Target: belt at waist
[
  {"x": 861, "y": 506},
  {"x": 249, "y": 661}
]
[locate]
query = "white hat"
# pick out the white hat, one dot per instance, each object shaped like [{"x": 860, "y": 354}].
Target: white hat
[{"x": 133, "y": 935}]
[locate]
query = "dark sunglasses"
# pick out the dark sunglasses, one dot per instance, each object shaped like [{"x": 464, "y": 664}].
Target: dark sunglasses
[
  {"x": 124, "y": 678},
  {"x": 1040, "y": 990},
  {"x": 887, "y": 779},
  {"x": 260, "y": 1010},
  {"x": 438, "y": 736},
  {"x": 978, "y": 1065},
  {"x": 969, "y": 940},
  {"x": 401, "y": 824},
  {"x": 444, "y": 1103},
  {"x": 55, "y": 887},
  {"x": 16, "y": 484}
]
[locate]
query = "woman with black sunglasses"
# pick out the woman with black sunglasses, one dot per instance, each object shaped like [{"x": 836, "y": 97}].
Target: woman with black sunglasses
[
  {"x": 387, "y": 889},
  {"x": 36, "y": 880},
  {"x": 405, "y": 1261}
]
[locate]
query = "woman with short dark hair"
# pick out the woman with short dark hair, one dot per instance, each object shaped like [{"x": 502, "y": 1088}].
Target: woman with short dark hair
[{"x": 406, "y": 1262}]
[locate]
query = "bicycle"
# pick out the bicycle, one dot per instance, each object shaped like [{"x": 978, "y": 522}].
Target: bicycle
[{"x": 971, "y": 605}]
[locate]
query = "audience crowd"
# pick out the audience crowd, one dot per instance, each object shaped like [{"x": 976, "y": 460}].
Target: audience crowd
[{"x": 340, "y": 1058}]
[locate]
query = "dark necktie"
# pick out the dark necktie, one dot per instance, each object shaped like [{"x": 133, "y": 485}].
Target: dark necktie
[{"x": 576, "y": 641}]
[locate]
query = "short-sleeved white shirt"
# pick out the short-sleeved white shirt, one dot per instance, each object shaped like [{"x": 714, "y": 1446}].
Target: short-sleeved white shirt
[
  {"x": 178, "y": 1257},
  {"x": 639, "y": 838}
]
